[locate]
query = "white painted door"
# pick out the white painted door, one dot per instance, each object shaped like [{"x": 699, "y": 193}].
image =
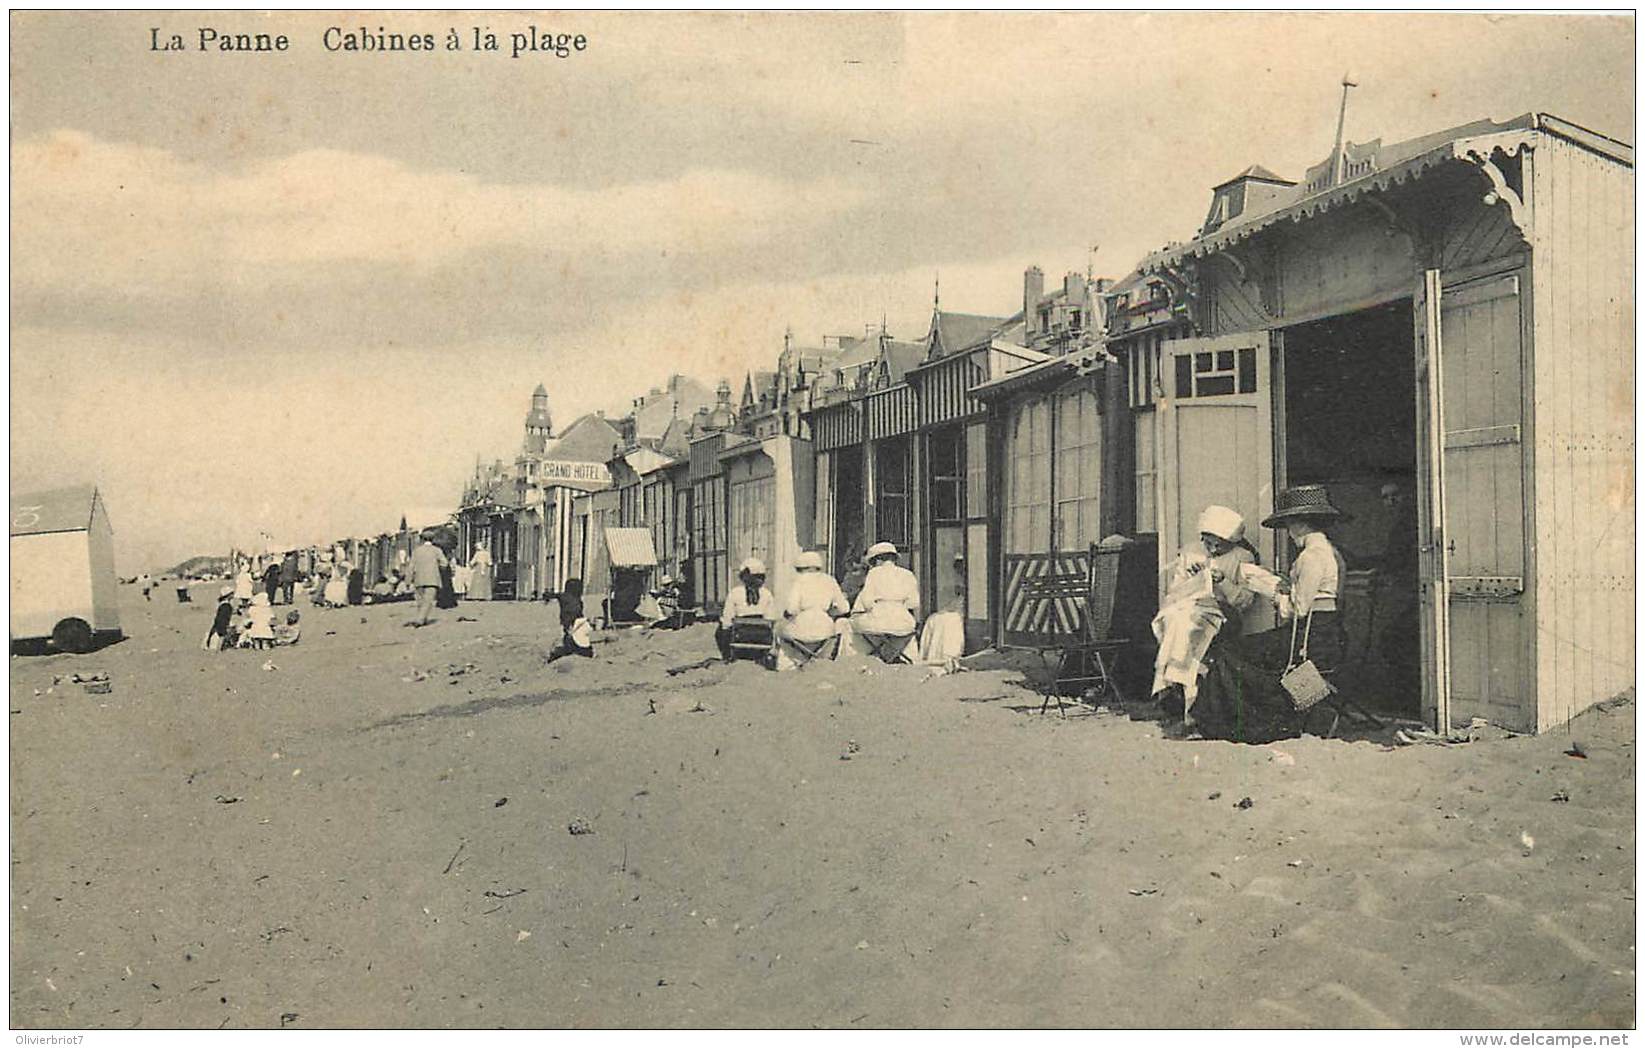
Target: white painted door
[
  {"x": 1215, "y": 441},
  {"x": 1471, "y": 514}
]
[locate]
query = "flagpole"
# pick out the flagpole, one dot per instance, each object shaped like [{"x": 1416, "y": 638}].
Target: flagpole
[{"x": 1339, "y": 158}]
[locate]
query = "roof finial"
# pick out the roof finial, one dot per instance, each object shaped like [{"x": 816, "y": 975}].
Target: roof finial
[
  {"x": 936, "y": 291},
  {"x": 1339, "y": 158}
]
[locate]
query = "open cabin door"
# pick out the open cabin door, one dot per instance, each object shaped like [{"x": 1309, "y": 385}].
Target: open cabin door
[
  {"x": 1216, "y": 442},
  {"x": 1470, "y": 508}
]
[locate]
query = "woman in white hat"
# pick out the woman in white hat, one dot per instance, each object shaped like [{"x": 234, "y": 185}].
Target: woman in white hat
[
  {"x": 751, "y": 598},
  {"x": 1243, "y": 699},
  {"x": 814, "y": 600},
  {"x": 1205, "y": 590},
  {"x": 887, "y": 605}
]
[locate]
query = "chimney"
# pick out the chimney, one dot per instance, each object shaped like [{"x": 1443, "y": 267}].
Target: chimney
[
  {"x": 1073, "y": 286},
  {"x": 1033, "y": 290}
]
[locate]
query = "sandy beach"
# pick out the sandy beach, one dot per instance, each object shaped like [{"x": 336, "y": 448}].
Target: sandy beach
[{"x": 388, "y": 827}]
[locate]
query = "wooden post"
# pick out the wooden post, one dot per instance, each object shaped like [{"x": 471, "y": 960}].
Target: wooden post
[{"x": 1437, "y": 563}]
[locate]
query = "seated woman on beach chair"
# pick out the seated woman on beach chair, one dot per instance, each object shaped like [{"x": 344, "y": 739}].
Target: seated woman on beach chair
[
  {"x": 748, "y": 619},
  {"x": 1205, "y": 592},
  {"x": 808, "y": 629},
  {"x": 883, "y": 616},
  {"x": 1242, "y": 698}
]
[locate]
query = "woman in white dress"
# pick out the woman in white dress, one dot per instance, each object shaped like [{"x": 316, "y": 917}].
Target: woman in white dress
[
  {"x": 479, "y": 584},
  {"x": 337, "y": 586}
]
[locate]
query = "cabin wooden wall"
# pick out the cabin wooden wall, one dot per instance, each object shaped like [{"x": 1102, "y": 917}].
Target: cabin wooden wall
[{"x": 1582, "y": 278}]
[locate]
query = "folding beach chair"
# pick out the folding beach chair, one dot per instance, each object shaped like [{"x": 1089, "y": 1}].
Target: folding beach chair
[
  {"x": 753, "y": 637},
  {"x": 805, "y": 651},
  {"x": 890, "y": 648}
]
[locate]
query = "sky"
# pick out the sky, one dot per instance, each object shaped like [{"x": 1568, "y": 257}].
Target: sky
[{"x": 301, "y": 292}]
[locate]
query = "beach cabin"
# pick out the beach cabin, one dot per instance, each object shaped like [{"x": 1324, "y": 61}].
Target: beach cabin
[
  {"x": 1449, "y": 321},
  {"x": 63, "y": 584}
]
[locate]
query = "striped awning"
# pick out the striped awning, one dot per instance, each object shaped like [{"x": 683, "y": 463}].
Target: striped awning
[{"x": 630, "y": 547}]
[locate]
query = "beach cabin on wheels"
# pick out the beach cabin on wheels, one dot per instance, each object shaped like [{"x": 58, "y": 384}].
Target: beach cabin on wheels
[
  {"x": 63, "y": 584},
  {"x": 1447, "y": 322}
]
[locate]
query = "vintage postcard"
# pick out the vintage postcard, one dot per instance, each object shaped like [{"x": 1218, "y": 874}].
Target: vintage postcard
[{"x": 846, "y": 520}]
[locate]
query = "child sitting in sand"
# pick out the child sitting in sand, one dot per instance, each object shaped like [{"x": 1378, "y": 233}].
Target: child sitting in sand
[
  {"x": 291, "y": 633},
  {"x": 577, "y": 633}
]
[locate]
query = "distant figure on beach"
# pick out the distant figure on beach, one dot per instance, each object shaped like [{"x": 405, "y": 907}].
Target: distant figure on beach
[
  {"x": 289, "y": 572},
  {"x": 291, "y": 633},
  {"x": 426, "y": 562},
  {"x": 356, "y": 585},
  {"x": 243, "y": 585},
  {"x": 259, "y": 631},
  {"x": 221, "y": 634},
  {"x": 271, "y": 580},
  {"x": 147, "y": 584},
  {"x": 447, "y": 597},
  {"x": 479, "y": 584},
  {"x": 336, "y": 592},
  {"x": 576, "y": 632}
]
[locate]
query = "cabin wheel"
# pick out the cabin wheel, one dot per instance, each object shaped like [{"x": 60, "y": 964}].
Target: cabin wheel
[{"x": 72, "y": 635}]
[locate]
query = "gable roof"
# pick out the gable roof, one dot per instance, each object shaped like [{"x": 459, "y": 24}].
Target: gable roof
[
  {"x": 55, "y": 510},
  {"x": 952, "y": 332},
  {"x": 590, "y": 439},
  {"x": 1260, "y": 173},
  {"x": 898, "y": 357}
]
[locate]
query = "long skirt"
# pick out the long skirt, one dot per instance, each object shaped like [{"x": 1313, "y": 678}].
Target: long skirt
[
  {"x": 479, "y": 588},
  {"x": 336, "y": 592},
  {"x": 1241, "y": 698},
  {"x": 447, "y": 597}
]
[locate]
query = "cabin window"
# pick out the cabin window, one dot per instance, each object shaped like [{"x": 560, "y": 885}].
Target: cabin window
[
  {"x": 891, "y": 479},
  {"x": 1147, "y": 470},
  {"x": 1216, "y": 373},
  {"x": 1078, "y": 455},
  {"x": 976, "y": 470},
  {"x": 1028, "y": 510},
  {"x": 947, "y": 476}
]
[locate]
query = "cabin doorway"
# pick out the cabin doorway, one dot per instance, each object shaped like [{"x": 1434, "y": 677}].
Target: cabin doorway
[
  {"x": 1347, "y": 399},
  {"x": 848, "y": 545}
]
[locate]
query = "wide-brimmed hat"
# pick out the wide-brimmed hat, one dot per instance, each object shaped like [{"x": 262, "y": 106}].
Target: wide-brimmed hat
[
  {"x": 753, "y": 566},
  {"x": 809, "y": 560},
  {"x": 225, "y": 591},
  {"x": 1223, "y": 523},
  {"x": 1304, "y": 502},
  {"x": 881, "y": 549}
]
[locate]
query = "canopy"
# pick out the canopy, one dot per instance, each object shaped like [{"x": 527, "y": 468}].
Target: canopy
[{"x": 630, "y": 547}]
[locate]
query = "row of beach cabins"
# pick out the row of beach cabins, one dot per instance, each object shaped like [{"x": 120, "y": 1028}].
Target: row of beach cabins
[{"x": 1448, "y": 318}]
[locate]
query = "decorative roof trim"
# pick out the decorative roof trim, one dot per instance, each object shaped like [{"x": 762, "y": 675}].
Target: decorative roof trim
[{"x": 1462, "y": 149}]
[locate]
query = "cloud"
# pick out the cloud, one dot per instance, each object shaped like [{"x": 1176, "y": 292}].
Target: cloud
[{"x": 139, "y": 220}]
